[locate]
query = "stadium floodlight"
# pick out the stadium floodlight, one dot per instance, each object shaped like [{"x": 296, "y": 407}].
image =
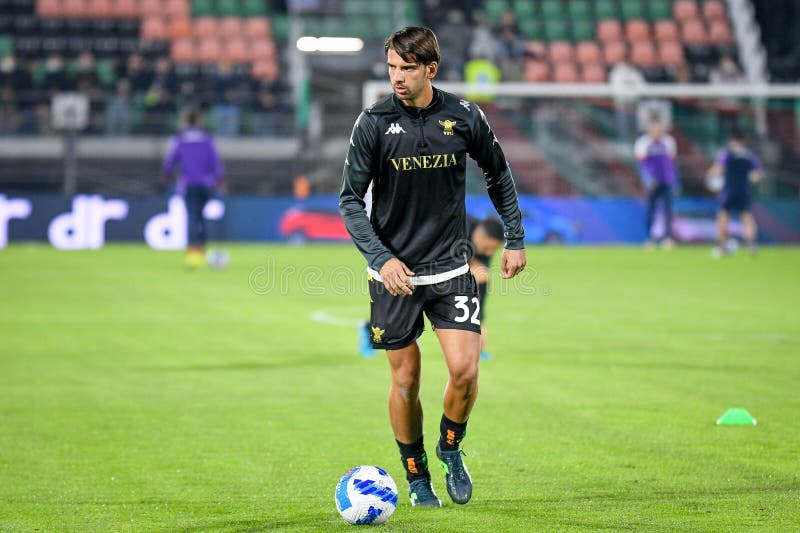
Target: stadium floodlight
[{"x": 330, "y": 45}]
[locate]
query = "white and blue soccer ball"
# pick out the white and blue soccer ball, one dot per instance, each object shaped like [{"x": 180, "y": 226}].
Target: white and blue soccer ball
[
  {"x": 366, "y": 495},
  {"x": 217, "y": 259}
]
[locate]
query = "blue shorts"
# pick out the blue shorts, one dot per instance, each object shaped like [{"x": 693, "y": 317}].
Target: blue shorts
[{"x": 736, "y": 202}]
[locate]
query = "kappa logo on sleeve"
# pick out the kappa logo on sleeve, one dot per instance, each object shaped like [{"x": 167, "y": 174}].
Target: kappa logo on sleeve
[{"x": 394, "y": 129}]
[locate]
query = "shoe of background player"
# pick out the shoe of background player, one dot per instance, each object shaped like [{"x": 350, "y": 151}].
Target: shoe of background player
[
  {"x": 718, "y": 252},
  {"x": 459, "y": 484},
  {"x": 485, "y": 356},
  {"x": 668, "y": 244},
  {"x": 364, "y": 343},
  {"x": 649, "y": 244},
  {"x": 753, "y": 248},
  {"x": 195, "y": 259},
  {"x": 421, "y": 494}
]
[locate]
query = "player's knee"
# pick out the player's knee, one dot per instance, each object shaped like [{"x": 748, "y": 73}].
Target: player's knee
[
  {"x": 406, "y": 383},
  {"x": 465, "y": 376}
]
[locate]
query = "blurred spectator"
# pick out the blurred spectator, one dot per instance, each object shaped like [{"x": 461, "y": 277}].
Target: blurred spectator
[
  {"x": 625, "y": 79},
  {"x": 511, "y": 48},
  {"x": 483, "y": 43},
  {"x": 225, "y": 104},
  {"x": 267, "y": 107},
  {"x": 54, "y": 76},
  {"x": 454, "y": 39},
  {"x": 655, "y": 152},
  {"x": 15, "y": 81},
  {"x": 728, "y": 108},
  {"x": 136, "y": 73},
  {"x": 83, "y": 76},
  {"x": 119, "y": 116}
]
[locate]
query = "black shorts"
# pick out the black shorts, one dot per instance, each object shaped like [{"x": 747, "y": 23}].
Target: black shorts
[
  {"x": 396, "y": 321},
  {"x": 736, "y": 202}
]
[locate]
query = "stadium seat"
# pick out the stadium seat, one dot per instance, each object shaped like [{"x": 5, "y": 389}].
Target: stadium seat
[
  {"x": 264, "y": 68},
  {"x": 48, "y": 8},
  {"x": 666, "y": 30},
  {"x": 660, "y": 9},
  {"x": 178, "y": 27},
  {"x": 230, "y": 8},
  {"x": 565, "y": 73},
  {"x": 254, "y": 8},
  {"x": 583, "y": 30},
  {"x": 536, "y": 49},
  {"x": 637, "y": 31},
  {"x": 209, "y": 50},
  {"x": 524, "y": 9},
  {"x": 203, "y": 8},
  {"x": 126, "y": 9},
  {"x": 531, "y": 29},
  {"x": 537, "y": 71},
  {"x": 183, "y": 51},
  {"x": 264, "y": 50},
  {"x": 632, "y": 9},
  {"x": 178, "y": 8},
  {"x": 205, "y": 27},
  {"x": 151, "y": 8},
  {"x": 593, "y": 74},
  {"x": 714, "y": 10},
  {"x": 719, "y": 32},
  {"x": 494, "y": 9},
  {"x": 579, "y": 10},
  {"x": 614, "y": 52},
  {"x": 603, "y": 9},
  {"x": 643, "y": 54},
  {"x": 238, "y": 50},
  {"x": 154, "y": 28},
  {"x": 609, "y": 30},
  {"x": 99, "y": 8},
  {"x": 560, "y": 52},
  {"x": 231, "y": 27},
  {"x": 693, "y": 32},
  {"x": 670, "y": 53},
  {"x": 588, "y": 53},
  {"x": 73, "y": 8},
  {"x": 555, "y": 29},
  {"x": 684, "y": 10},
  {"x": 257, "y": 28},
  {"x": 552, "y": 9}
]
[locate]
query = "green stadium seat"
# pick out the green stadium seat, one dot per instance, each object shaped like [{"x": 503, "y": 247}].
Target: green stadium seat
[
  {"x": 254, "y": 8},
  {"x": 583, "y": 30},
  {"x": 495, "y": 8},
  {"x": 229, "y": 8},
  {"x": 660, "y": 9},
  {"x": 605, "y": 9},
  {"x": 203, "y": 8},
  {"x": 524, "y": 9},
  {"x": 382, "y": 9},
  {"x": 531, "y": 29},
  {"x": 411, "y": 11},
  {"x": 632, "y": 9},
  {"x": 580, "y": 9},
  {"x": 555, "y": 29},
  {"x": 6, "y": 45},
  {"x": 354, "y": 8},
  {"x": 280, "y": 27},
  {"x": 552, "y": 9}
]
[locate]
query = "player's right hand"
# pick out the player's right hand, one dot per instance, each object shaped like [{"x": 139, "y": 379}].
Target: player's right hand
[{"x": 395, "y": 276}]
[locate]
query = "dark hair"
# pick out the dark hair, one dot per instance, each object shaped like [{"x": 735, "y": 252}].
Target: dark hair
[
  {"x": 192, "y": 117},
  {"x": 414, "y": 44},
  {"x": 737, "y": 135},
  {"x": 493, "y": 228}
]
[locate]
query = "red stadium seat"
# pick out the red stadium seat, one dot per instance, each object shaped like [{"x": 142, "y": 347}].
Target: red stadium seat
[
  {"x": 714, "y": 10},
  {"x": 48, "y": 8},
  {"x": 178, "y": 8},
  {"x": 588, "y": 53},
  {"x": 719, "y": 32},
  {"x": 209, "y": 50},
  {"x": 126, "y": 8},
  {"x": 536, "y": 49},
  {"x": 537, "y": 71},
  {"x": 264, "y": 50},
  {"x": 666, "y": 30},
  {"x": 99, "y": 9},
  {"x": 684, "y": 10},
  {"x": 265, "y": 68},
  {"x": 593, "y": 74},
  {"x": 151, "y": 8},
  {"x": 257, "y": 28},
  {"x": 560, "y": 51},
  {"x": 670, "y": 53},
  {"x": 565, "y": 73},
  {"x": 615, "y": 52},
  {"x": 183, "y": 51},
  {"x": 231, "y": 27},
  {"x": 637, "y": 31},
  {"x": 237, "y": 50},
  {"x": 609, "y": 30},
  {"x": 205, "y": 27},
  {"x": 73, "y": 8},
  {"x": 154, "y": 29},
  {"x": 693, "y": 32},
  {"x": 180, "y": 26},
  {"x": 643, "y": 55}
]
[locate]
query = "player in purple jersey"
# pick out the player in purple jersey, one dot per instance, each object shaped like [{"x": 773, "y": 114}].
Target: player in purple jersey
[
  {"x": 655, "y": 152},
  {"x": 740, "y": 168},
  {"x": 201, "y": 175}
]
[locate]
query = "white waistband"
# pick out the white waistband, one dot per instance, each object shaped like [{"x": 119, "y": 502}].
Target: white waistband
[{"x": 430, "y": 279}]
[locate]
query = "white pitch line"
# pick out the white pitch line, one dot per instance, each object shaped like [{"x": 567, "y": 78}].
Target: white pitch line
[{"x": 329, "y": 318}]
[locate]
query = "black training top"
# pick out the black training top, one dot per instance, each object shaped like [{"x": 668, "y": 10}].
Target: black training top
[{"x": 416, "y": 160}]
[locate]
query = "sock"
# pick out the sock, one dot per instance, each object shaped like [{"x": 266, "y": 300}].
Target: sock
[
  {"x": 452, "y": 433},
  {"x": 415, "y": 461}
]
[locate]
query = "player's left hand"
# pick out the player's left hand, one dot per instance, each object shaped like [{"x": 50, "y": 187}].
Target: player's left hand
[{"x": 512, "y": 263}]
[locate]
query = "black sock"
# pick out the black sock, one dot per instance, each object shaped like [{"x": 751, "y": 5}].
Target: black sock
[
  {"x": 452, "y": 433},
  {"x": 415, "y": 461}
]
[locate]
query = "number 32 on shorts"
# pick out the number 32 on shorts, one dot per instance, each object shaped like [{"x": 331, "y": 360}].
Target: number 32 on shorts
[{"x": 461, "y": 305}]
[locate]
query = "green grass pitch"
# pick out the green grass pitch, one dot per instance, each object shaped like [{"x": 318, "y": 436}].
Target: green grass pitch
[{"x": 137, "y": 396}]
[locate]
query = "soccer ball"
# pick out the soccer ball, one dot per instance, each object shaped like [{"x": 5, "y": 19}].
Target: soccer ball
[
  {"x": 366, "y": 495},
  {"x": 715, "y": 183},
  {"x": 217, "y": 259}
]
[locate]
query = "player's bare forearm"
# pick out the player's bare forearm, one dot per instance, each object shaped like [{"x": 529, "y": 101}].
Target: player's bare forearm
[{"x": 513, "y": 262}]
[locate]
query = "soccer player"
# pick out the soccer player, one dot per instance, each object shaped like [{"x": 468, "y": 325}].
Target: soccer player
[
  {"x": 412, "y": 146},
  {"x": 201, "y": 175},
  {"x": 740, "y": 167},
  {"x": 655, "y": 152},
  {"x": 485, "y": 238}
]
